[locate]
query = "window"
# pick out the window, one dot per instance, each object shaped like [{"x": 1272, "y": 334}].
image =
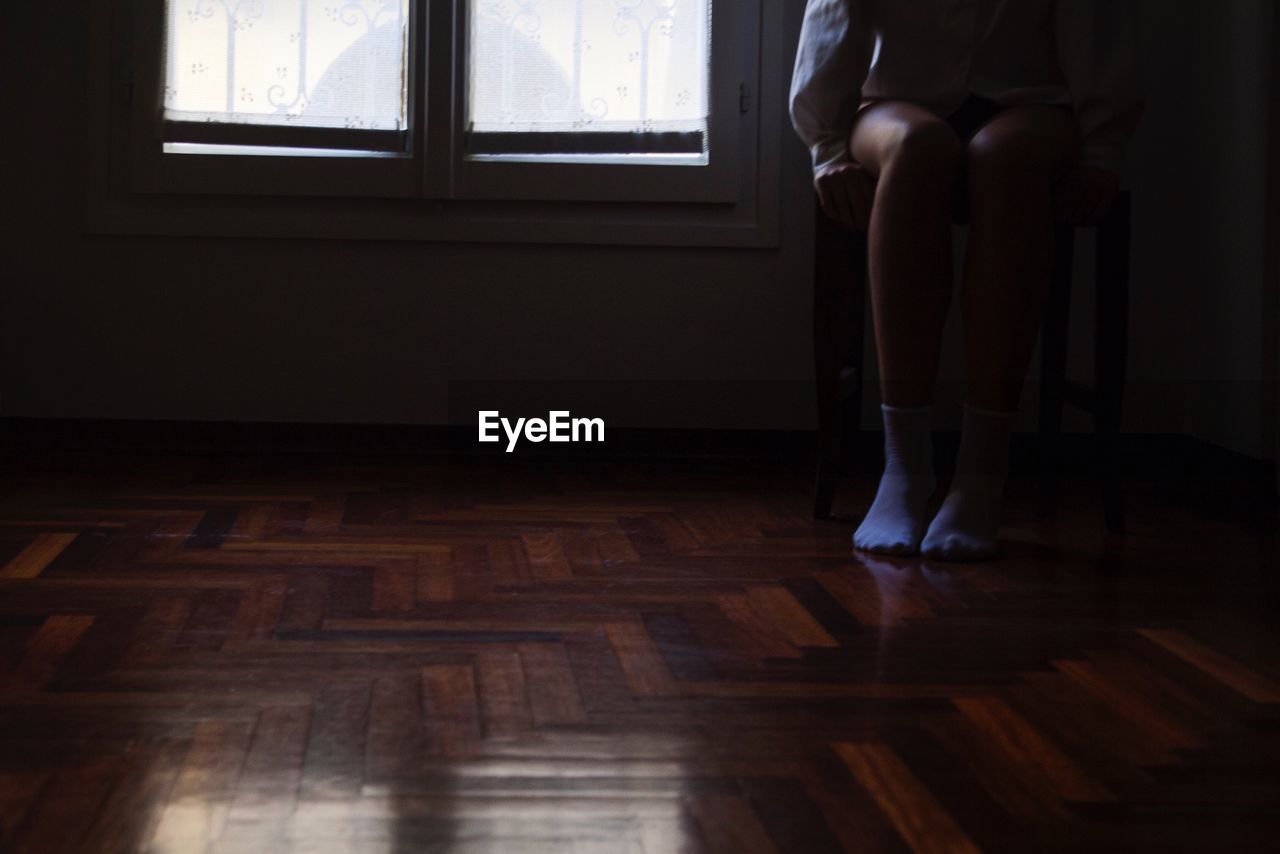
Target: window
[
  {"x": 585, "y": 77},
  {"x": 608, "y": 113},
  {"x": 294, "y": 73}
]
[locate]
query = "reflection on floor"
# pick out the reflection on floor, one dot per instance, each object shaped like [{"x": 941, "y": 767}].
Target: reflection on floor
[{"x": 287, "y": 654}]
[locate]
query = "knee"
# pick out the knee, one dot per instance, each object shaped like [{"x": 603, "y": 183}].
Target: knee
[
  {"x": 1004, "y": 159},
  {"x": 925, "y": 149}
]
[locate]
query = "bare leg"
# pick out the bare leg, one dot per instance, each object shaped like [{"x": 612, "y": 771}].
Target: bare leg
[
  {"x": 1011, "y": 167},
  {"x": 915, "y": 157}
]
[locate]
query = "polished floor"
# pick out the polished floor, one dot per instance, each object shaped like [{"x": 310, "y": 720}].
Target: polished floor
[{"x": 308, "y": 654}]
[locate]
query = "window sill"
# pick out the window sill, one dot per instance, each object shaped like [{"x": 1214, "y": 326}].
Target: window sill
[
  {"x": 204, "y": 148},
  {"x": 740, "y": 226}
]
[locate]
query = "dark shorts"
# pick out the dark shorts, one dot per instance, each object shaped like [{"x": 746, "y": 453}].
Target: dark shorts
[{"x": 971, "y": 116}]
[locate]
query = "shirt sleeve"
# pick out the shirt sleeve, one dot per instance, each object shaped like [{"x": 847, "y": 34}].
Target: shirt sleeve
[
  {"x": 836, "y": 45},
  {"x": 1097, "y": 52}
]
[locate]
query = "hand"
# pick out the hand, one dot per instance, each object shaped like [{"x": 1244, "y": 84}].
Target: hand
[
  {"x": 1085, "y": 194},
  {"x": 846, "y": 192}
]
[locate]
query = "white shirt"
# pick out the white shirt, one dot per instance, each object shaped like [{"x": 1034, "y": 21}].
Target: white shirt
[{"x": 936, "y": 53}]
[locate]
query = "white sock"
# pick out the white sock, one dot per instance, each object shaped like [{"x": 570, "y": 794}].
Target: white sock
[
  {"x": 896, "y": 521},
  {"x": 968, "y": 524}
]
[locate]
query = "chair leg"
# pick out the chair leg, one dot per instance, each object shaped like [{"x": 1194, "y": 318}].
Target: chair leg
[
  {"x": 1111, "y": 354},
  {"x": 839, "y": 261},
  {"x": 853, "y": 325},
  {"x": 827, "y": 276},
  {"x": 1053, "y": 358}
]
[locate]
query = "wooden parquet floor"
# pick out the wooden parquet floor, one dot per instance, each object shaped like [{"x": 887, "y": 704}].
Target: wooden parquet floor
[{"x": 261, "y": 654}]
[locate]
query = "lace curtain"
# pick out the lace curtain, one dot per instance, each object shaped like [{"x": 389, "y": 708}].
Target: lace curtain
[
  {"x": 533, "y": 65},
  {"x": 311, "y": 63},
  {"x": 589, "y": 65}
]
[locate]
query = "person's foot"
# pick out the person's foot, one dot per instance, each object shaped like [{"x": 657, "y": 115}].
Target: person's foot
[
  {"x": 896, "y": 521},
  {"x": 897, "y": 518},
  {"x": 967, "y": 525}
]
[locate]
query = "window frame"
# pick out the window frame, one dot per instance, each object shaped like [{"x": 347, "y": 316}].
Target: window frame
[
  {"x": 435, "y": 191},
  {"x": 360, "y": 173},
  {"x": 510, "y": 178}
]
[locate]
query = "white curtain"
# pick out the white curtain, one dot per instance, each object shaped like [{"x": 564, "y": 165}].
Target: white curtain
[
  {"x": 589, "y": 65},
  {"x": 312, "y": 63}
]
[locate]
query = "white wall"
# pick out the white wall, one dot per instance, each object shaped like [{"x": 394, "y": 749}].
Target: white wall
[
  {"x": 1272, "y": 338},
  {"x": 1199, "y": 170},
  {"x": 374, "y": 332},
  {"x": 334, "y": 331}
]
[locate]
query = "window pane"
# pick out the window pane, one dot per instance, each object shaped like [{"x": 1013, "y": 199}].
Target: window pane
[
  {"x": 309, "y": 63},
  {"x": 580, "y": 67}
]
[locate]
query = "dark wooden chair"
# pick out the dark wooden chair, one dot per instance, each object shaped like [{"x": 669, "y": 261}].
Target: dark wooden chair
[{"x": 839, "y": 325}]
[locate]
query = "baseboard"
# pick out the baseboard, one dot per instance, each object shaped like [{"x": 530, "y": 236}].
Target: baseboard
[
  {"x": 22, "y": 434},
  {"x": 1147, "y": 456}
]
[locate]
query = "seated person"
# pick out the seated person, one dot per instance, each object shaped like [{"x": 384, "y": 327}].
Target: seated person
[{"x": 1023, "y": 107}]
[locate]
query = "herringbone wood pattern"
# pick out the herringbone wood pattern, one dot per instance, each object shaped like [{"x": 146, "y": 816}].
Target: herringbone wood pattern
[{"x": 288, "y": 654}]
